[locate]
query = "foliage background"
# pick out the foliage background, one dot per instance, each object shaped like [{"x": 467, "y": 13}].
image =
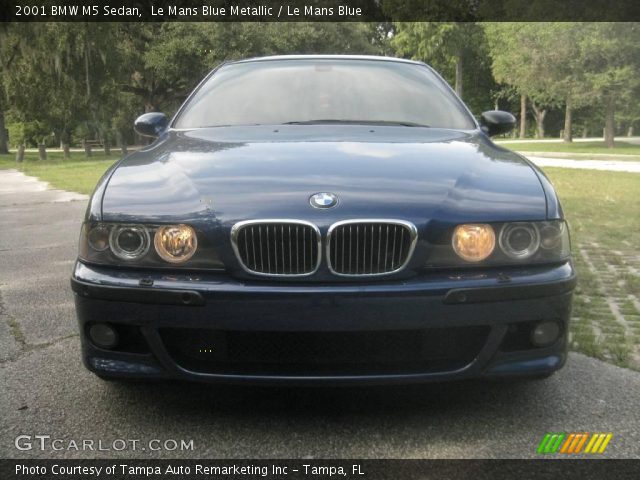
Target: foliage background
[{"x": 62, "y": 83}]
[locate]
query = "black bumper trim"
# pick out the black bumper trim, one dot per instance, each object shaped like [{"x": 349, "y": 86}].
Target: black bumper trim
[
  {"x": 138, "y": 294},
  {"x": 194, "y": 298},
  {"x": 509, "y": 292}
]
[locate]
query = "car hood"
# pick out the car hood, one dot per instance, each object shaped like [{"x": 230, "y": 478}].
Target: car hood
[{"x": 229, "y": 174}]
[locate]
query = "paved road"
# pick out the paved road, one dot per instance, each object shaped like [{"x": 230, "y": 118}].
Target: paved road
[
  {"x": 46, "y": 391},
  {"x": 603, "y": 165},
  {"x": 634, "y": 140}
]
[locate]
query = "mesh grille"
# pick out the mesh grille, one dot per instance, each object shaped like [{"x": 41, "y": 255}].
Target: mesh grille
[
  {"x": 277, "y": 247},
  {"x": 325, "y": 353},
  {"x": 370, "y": 248}
]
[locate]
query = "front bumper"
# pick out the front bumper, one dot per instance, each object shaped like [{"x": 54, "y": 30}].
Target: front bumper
[{"x": 167, "y": 319}]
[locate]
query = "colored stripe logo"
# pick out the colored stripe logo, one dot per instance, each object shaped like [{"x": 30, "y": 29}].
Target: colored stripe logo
[{"x": 574, "y": 443}]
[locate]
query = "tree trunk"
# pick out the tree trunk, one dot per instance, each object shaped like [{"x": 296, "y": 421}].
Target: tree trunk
[
  {"x": 523, "y": 116},
  {"x": 20, "y": 153},
  {"x": 4, "y": 135},
  {"x": 87, "y": 76},
  {"x": 42, "y": 151},
  {"x": 65, "y": 149},
  {"x": 122, "y": 143},
  {"x": 585, "y": 132},
  {"x": 459, "y": 76},
  {"x": 87, "y": 150},
  {"x": 609, "y": 122},
  {"x": 539, "y": 113},
  {"x": 630, "y": 131},
  {"x": 568, "y": 120},
  {"x": 107, "y": 148}
]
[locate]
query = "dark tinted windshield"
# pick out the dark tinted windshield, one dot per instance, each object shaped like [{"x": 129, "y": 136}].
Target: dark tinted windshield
[{"x": 324, "y": 91}]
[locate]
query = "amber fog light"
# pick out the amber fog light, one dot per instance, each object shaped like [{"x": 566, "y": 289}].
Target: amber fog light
[
  {"x": 474, "y": 242},
  {"x": 103, "y": 335},
  {"x": 545, "y": 334},
  {"x": 176, "y": 243}
]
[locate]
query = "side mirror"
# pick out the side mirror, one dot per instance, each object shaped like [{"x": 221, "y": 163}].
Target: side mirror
[
  {"x": 495, "y": 122},
  {"x": 151, "y": 124}
]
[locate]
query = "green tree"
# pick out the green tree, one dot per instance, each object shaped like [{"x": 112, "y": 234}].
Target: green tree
[
  {"x": 445, "y": 46},
  {"x": 611, "y": 65},
  {"x": 175, "y": 56},
  {"x": 14, "y": 41},
  {"x": 9, "y": 49},
  {"x": 568, "y": 63},
  {"x": 67, "y": 68},
  {"x": 518, "y": 53},
  {"x": 94, "y": 78}
]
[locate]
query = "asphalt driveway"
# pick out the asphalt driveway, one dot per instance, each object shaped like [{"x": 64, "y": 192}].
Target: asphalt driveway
[{"x": 46, "y": 391}]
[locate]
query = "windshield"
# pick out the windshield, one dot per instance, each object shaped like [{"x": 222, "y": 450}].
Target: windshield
[{"x": 307, "y": 91}]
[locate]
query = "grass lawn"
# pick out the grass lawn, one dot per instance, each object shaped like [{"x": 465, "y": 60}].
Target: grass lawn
[
  {"x": 79, "y": 174},
  {"x": 603, "y": 210},
  {"x": 621, "y": 148},
  {"x": 601, "y": 206}
]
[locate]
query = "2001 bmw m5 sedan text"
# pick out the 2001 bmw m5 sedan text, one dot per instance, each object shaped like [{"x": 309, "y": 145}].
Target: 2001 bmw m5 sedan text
[{"x": 323, "y": 219}]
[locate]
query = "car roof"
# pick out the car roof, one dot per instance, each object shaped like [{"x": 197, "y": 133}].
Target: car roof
[{"x": 327, "y": 57}]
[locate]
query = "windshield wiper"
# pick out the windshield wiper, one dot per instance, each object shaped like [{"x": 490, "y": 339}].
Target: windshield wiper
[{"x": 326, "y": 121}]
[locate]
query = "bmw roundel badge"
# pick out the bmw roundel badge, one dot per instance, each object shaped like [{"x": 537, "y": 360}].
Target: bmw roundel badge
[{"x": 323, "y": 200}]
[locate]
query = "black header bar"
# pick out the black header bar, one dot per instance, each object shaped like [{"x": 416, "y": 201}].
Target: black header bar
[
  {"x": 254, "y": 469},
  {"x": 319, "y": 10}
]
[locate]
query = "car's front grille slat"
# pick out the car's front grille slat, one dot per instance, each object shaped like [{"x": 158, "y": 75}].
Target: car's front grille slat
[
  {"x": 277, "y": 247},
  {"x": 379, "y": 243},
  {"x": 304, "y": 250},
  {"x": 393, "y": 249},
  {"x": 354, "y": 247},
  {"x": 370, "y": 247}
]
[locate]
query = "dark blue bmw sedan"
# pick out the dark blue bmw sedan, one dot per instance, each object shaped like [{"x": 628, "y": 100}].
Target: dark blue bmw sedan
[{"x": 323, "y": 220}]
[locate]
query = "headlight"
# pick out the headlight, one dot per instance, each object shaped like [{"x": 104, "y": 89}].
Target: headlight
[
  {"x": 519, "y": 240},
  {"x": 552, "y": 235},
  {"x": 497, "y": 244},
  {"x": 176, "y": 246},
  {"x": 176, "y": 243},
  {"x": 98, "y": 238},
  {"x": 129, "y": 242},
  {"x": 474, "y": 242}
]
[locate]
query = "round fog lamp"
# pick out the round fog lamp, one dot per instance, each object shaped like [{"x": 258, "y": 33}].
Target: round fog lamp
[
  {"x": 545, "y": 334},
  {"x": 474, "y": 242},
  {"x": 103, "y": 335},
  {"x": 176, "y": 243}
]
